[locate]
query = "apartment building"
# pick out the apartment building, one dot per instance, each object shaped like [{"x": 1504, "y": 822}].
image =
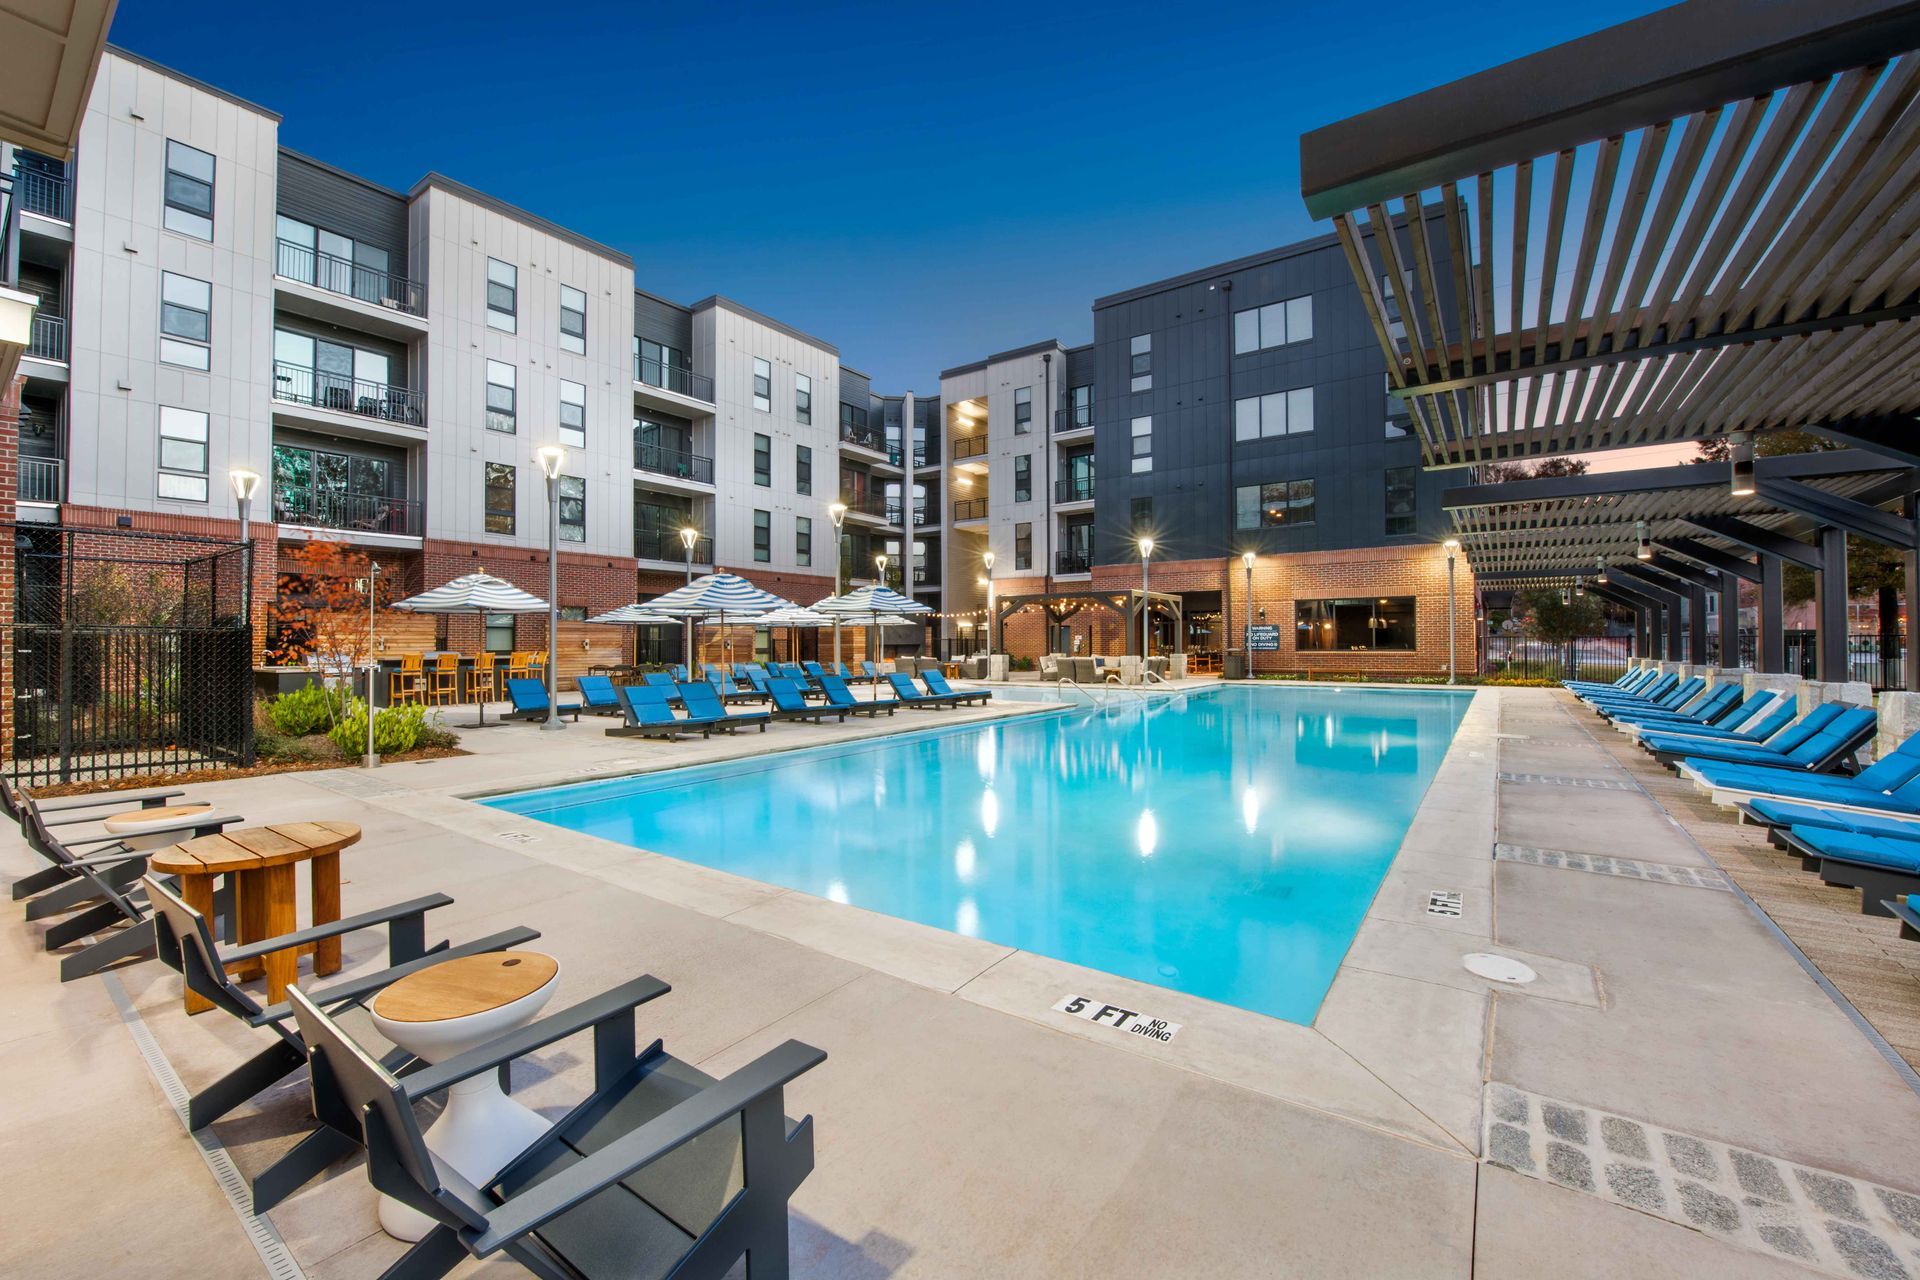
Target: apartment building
[{"x": 209, "y": 301}]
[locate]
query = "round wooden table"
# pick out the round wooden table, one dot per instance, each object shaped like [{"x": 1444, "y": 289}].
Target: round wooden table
[
  {"x": 259, "y": 862},
  {"x": 133, "y": 822},
  {"x": 441, "y": 1012}
]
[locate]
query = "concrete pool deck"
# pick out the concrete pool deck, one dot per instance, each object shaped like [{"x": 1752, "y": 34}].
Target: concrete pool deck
[{"x": 1631, "y": 1101}]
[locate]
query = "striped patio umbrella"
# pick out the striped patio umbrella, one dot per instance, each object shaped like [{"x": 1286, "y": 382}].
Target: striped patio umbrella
[
  {"x": 635, "y": 615},
  {"x": 793, "y": 617},
  {"x": 716, "y": 596},
  {"x": 877, "y": 605},
  {"x": 479, "y": 593}
]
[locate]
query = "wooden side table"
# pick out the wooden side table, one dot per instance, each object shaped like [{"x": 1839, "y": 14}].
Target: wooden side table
[{"x": 259, "y": 862}]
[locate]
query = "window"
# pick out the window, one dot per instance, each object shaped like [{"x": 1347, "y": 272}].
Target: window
[
  {"x": 1280, "y": 505},
  {"x": 1274, "y": 325},
  {"x": 803, "y": 398},
  {"x": 573, "y": 613},
  {"x": 501, "y": 412},
  {"x": 1385, "y": 622},
  {"x": 1390, "y": 302},
  {"x": 803, "y": 540},
  {"x": 762, "y": 536},
  {"x": 573, "y": 414},
  {"x": 313, "y": 255},
  {"x": 1140, "y": 515},
  {"x": 189, "y": 191},
  {"x": 802, "y": 469},
  {"x": 1023, "y": 546},
  {"x": 763, "y": 460},
  {"x": 503, "y": 296},
  {"x": 1142, "y": 444},
  {"x": 573, "y": 320},
  {"x": 1402, "y": 500},
  {"x": 659, "y": 366},
  {"x": 499, "y": 637},
  {"x": 573, "y": 509},
  {"x": 1023, "y": 478},
  {"x": 1143, "y": 362},
  {"x": 186, "y": 321},
  {"x": 1082, "y": 399},
  {"x": 762, "y": 385},
  {"x": 1022, "y": 410},
  {"x": 1283, "y": 413},
  {"x": 500, "y": 502},
  {"x": 1398, "y": 414},
  {"x": 183, "y": 455}
]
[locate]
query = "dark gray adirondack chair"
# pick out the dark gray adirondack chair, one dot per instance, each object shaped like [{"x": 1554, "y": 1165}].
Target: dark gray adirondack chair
[
  {"x": 55, "y": 883},
  {"x": 186, "y": 945},
  {"x": 661, "y": 1171}
]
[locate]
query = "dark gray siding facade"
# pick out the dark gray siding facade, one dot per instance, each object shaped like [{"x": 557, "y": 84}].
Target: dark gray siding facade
[
  {"x": 323, "y": 196},
  {"x": 668, "y": 323},
  {"x": 856, "y": 388},
  {"x": 1197, "y": 466}
]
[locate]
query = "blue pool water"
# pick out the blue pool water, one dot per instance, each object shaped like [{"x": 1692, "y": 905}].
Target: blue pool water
[{"x": 1224, "y": 843}]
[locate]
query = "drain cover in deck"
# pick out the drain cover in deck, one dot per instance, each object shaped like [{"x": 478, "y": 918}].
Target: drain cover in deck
[{"x": 1484, "y": 964}]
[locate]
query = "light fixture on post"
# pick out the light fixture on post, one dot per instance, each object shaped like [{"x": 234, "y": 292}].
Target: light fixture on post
[
  {"x": 1566, "y": 596},
  {"x": 245, "y": 483},
  {"x": 1600, "y": 566},
  {"x": 1645, "y": 550},
  {"x": 1453, "y": 546},
  {"x": 836, "y": 512},
  {"x": 1742, "y": 450},
  {"x": 551, "y": 458},
  {"x": 688, "y": 536},
  {"x": 879, "y": 636},
  {"x": 1579, "y": 586},
  {"x": 993, "y": 639},
  {"x": 1246, "y": 641},
  {"x": 1146, "y": 556}
]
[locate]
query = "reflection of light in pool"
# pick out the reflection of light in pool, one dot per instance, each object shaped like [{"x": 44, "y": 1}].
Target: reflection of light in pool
[
  {"x": 879, "y": 787},
  {"x": 986, "y": 754},
  {"x": 837, "y": 890},
  {"x": 1146, "y": 833},
  {"x": 1250, "y": 809},
  {"x": 989, "y": 813},
  {"x": 963, "y": 857},
  {"x": 966, "y": 920}
]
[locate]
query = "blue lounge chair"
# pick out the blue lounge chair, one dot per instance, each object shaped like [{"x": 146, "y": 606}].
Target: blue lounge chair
[
  {"x": 937, "y": 686},
  {"x": 597, "y": 697},
  {"x": 740, "y": 672},
  {"x": 1907, "y": 914},
  {"x": 530, "y": 702},
  {"x": 658, "y": 679},
  {"x": 871, "y": 672},
  {"x": 838, "y": 695},
  {"x": 1890, "y": 784},
  {"x": 1712, "y": 706},
  {"x": 1762, "y": 725},
  {"x": 704, "y": 706},
  {"x": 847, "y": 675},
  {"x": 814, "y": 671},
  {"x": 1679, "y": 696},
  {"x": 679, "y": 672},
  {"x": 1740, "y": 715},
  {"x": 1879, "y": 866},
  {"x": 1804, "y": 747},
  {"x": 648, "y": 716},
  {"x": 1786, "y": 734},
  {"x": 910, "y": 696},
  {"x": 1659, "y": 688},
  {"x": 1627, "y": 683},
  {"x": 729, "y": 691},
  {"x": 789, "y": 705}
]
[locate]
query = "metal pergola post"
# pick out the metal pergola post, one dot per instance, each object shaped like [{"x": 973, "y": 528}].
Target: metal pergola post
[
  {"x": 1830, "y": 605},
  {"x": 1770, "y": 646},
  {"x": 1697, "y": 625},
  {"x": 1729, "y": 620},
  {"x": 1910, "y": 598}
]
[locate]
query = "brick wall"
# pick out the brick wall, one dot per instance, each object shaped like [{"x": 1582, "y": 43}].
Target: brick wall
[
  {"x": 1418, "y": 571},
  {"x": 9, "y": 491}
]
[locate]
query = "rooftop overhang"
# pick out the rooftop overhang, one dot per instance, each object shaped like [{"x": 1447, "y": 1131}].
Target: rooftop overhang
[
  {"x": 1555, "y": 528},
  {"x": 1710, "y": 213},
  {"x": 49, "y": 52}
]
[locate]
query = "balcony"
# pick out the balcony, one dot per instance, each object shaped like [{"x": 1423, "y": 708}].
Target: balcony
[
  {"x": 672, "y": 462},
  {"x": 49, "y": 340},
  {"x": 338, "y": 393},
  {"x": 871, "y": 439},
  {"x": 1073, "y": 489},
  {"x": 874, "y": 507},
  {"x": 322, "y": 270},
  {"x": 669, "y": 377},
  {"x": 1068, "y": 563},
  {"x": 43, "y": 480},
  {"x": 1066, "y": 420},
  {"x": 965, "y": 447},
  {"x": 665, "y": 544},
  {"x": 45, "y": 194},
  {"x": 925, "y": 574},
  {"x": 351, "y": 512},
  {"x": 970, "y": 509},
  {"x": 923, "y": 514}
]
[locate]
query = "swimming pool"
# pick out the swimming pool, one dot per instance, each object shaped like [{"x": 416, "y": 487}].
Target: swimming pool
[{"x": 1224, "y": 843}]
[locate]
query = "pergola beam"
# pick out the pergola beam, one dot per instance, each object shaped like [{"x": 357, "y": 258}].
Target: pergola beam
[
  {"x": 1753, "y": 537},
  {"x": 1701, "y": 475},
  {"x": 1896, "y": 437},
  {"x": 1858, "y": 518},
  {"x": 1712, "y": 557}
]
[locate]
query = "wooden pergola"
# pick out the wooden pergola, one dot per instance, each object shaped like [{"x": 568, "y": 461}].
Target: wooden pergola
[{"x": 1062, "y": 605}]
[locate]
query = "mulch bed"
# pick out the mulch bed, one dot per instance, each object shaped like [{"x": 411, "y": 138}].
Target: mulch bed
[{"x": 140, "y": 781}]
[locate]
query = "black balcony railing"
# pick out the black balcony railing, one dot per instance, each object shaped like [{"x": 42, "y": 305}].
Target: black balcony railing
[
  {"x": 665, "y": 544},
  {"x": 349, "y": 279},
  {"x": 1073, "y": 562},
  {"x": 923, "y": 513},
  {"x": 1072, "y": 419},
  {"x": 1073, "y": 489},
  {"x": 324, "y": 508},
  {"x": 46, "y": 194},
  {"x": 298, "y": 384},
  {"x": 968, "y": 447},
  {"x": 672, "y": 462},
  {"x": 924, "y": 574},
  {"x": 43, "y": 480},
  {"x": 49, "y": 338},
  {"x": 865, "y": 438},
  {"x": 671, "y": 377},
  {"x": 970, "y": 509},
  {"x": 873, "y": 505}
]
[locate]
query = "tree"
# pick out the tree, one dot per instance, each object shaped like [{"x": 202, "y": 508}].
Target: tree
[
  {"x": 1558, "y": 465},
  {"x": 1543, "y": 616},
  {"x": 320, "y": 607}
]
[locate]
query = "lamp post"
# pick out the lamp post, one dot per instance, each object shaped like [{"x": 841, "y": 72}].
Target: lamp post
[
  {"x": 879, "y": 636},
  {"x": 688, "y": 536},
  {"x": 1246, "y": 635},
  {"x": 1452, "y": 545},
  {"x": 245, "y": 483},
  {"x": 993, "y": 623},
  {"x": 837, "y": 512},
  {"x": 371, "y": 760},
  {"x": 551, "y": 458},
  {"x": 1146, "y": 556}
]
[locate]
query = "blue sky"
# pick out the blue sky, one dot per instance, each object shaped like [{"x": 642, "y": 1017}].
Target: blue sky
[{"x": 919, "y": 184}]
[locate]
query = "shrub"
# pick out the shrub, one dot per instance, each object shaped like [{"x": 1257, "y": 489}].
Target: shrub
[
  {"x": 436, "y": 736},
  {"x": 395, "y": 729},
  {"x": 1020, "y": 664},
  {"x": 309, "y": 709}
]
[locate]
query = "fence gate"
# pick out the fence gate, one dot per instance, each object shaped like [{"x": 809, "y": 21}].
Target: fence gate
[{"x": 132, "y": 654}]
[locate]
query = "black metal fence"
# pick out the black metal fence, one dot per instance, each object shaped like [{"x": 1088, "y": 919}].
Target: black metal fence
[
  {"x": 132, "y": 654},
  {"x": 1586, "y": 658},
  {"x": 1865, "y": 660}
]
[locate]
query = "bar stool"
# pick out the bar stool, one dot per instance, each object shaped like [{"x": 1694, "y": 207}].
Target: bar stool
[
  {"x": 408, "y": 683},
  {"x": 517, "y": 665},
  {"x": 480, "y": 680},
  {"x": 537, "y": 667},
  {"x": 446, "y": 679}
]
